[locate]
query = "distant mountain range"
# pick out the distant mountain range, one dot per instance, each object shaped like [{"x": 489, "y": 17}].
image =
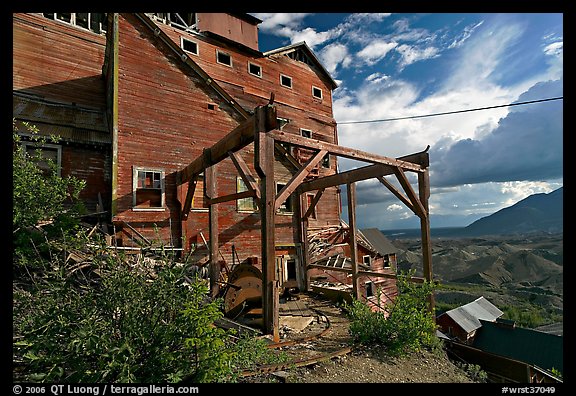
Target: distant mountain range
[{"x": 534, "y": 214}]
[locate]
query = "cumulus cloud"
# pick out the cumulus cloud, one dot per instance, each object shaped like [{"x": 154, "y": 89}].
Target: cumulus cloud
[
  {"x": 375, "y": 51},
  {"x": 333, "y": 55}
]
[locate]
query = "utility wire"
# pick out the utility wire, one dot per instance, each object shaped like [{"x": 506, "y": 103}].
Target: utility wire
[{"x": 452, "y": 112}]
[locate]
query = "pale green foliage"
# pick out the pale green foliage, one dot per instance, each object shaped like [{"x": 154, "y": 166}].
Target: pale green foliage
[{"x": 405, "y": 325}]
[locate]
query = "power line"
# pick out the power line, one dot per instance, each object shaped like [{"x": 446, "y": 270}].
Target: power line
[{"x": 452, "y": 112}]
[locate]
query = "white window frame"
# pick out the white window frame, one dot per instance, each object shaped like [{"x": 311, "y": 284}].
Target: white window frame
[
  {"x": 135, "y": 187},
  {"x": 367, "y": 262},
  {"x": 73, "y": 21},
  {"x": 182, "y": 39},
  {"x": 319, "y": 89},
  {"x": 258, "y": 66},
  {"x": 218, "y": 52},
  {"x": 241, "y": 187},
  {"x": 36, "y": 146},
  {"x": 289, "y": 78},
  {"x": 302, "y": 130},
  {"x": 286, "y": 211}
]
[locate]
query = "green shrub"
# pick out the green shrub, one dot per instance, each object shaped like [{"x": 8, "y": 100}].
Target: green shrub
[{"x": 405, "y": 325}]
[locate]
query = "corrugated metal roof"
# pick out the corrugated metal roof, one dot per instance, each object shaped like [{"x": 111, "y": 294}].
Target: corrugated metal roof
[
  {"x": 379, "y": 241},
  {"x": 468, "y": 316},
  {"x": 526, "y": 345}
]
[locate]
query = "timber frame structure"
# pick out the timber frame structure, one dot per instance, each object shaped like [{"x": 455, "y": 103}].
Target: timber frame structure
[{"x": 261, "y": 130}]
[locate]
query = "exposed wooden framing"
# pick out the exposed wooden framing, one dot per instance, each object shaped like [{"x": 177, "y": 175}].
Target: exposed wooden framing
[
  {"x": 397, "y": 193},
  {"x": 189, "y": 195},
  {"x": 231, "y": 197},
  {"x": 424, "y": 192},
  {"x": 287, "y": 155},
  {"x": 313, "y": 203},
  {"x": 416, "y": 279},
  {"x": 301, "y": 233},
  {"x": 264, "y": 152},
  {"x": 210, "y": 191},
  {"x": 246, "y": 175},
  {"x": 351, "y": 191},
  {"x": 114, "y": 98},
  {"x": 345, "y": 152},
  {"x": 417, "y": 205},
  {"x": 304, "y": 171}
]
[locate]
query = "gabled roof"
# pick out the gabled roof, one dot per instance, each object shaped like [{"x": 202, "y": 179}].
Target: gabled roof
[
  {"x": 379, "y": 241},
  {"x": 526, "y": 345},
  {"x": 302, "y": 46},
  {"x": 468, "y": 316}
]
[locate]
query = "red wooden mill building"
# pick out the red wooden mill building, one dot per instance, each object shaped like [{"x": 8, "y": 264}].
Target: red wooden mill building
[{"x": 190, "y": 137}]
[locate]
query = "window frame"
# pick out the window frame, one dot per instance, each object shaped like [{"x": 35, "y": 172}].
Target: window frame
[
  {"x": 320, "y": 90},
  {"x": 41, "y": 146},
  {"x": 199, "y": 179},
  {"x": 289, "y": 199},
  {"x": 182, "y": 39},
  {"x": 258, "y": 66},
  {"x": 220, "y": 52},
  {"x": 72, "y": 22},
  {"x": 135, "y": 187},
  {"x": 302, "y": 130},
  {"x": 241, "y": 187},
  {"x": 289, "y": 79}
]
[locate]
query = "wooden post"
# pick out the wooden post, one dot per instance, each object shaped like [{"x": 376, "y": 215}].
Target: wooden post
[
  {"x": 351, "y": 190},
  {"x": 210, "y": 191},
  {"x": 424, "y": 192},
  {"x": 264, "y": 164},
  {"x": 302, "y": 237}
]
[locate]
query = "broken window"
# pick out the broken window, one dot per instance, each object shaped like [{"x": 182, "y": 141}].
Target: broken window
[
  {"x": 48, "y": 157},
  {"x": 254, "y": 69},
  {"x": 148, "y": 188},
  {"x": 180, "y": 20},
  {"x": 93, "y": 21},
  {"x": 223, "y": 58},
  {"x": 367, "y": 260},
  {"x": 288, "y": 205},
  {"x": 189, "y": 45},
  {"x": 316, "y": 92},
  {"x": 285, "y": 81},
  {"x": 387, "y": 261},
  {"x": 326, "y": 161},
  {"x": 244, "y": 204}
]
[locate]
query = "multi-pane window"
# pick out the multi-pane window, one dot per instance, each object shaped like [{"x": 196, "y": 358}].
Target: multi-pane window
[
  {"x": 244, "y": 204},
  {"x": 47, "y": 156},
  {"x": 93, "y": 21},
  {"x": 148, "y": 188}
]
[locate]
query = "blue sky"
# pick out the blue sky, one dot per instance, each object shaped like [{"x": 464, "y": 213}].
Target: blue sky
[{"x": 408, "y": 64}]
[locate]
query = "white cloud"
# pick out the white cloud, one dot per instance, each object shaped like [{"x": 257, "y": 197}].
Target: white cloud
[
  {"x": 375, "y": 51},
  {"x": 411, "y": 54},
  {"x": 334, "y": 54}
]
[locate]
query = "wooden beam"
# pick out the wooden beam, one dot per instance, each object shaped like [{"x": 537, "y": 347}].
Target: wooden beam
[
  {"x": 313, "y": 203},
  {"x": 374, "y": 274},
  {"x": 417, "y": 205},
  {"x": 210, "y": 191},
  {"x": 396, "y": 192},
  {"x": 351, "y": 190},
  {"x": 424, "y": 193},
  {"x": 345, "y": 152},
  {"x": 304, "y": 171},
  {"x": 264, "y": 165},
  {"x": 246, "y": 175},
  {"x": 231, "y": 197},
  {"x": 189, "y": 196},
  {"x": 363, "y": 173},
  {"x": 278, "y": 147}
]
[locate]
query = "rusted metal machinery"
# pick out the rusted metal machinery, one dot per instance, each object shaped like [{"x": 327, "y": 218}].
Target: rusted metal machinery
[{"x": 243, "y": 291}]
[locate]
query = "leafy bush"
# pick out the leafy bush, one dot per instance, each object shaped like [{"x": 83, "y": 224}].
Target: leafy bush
[
  {"x": 116, "y": 324},
  {"x": 404, "y": 326}
]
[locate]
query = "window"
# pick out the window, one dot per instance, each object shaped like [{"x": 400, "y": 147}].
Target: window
[
  {"x": 306, "y": 133},
  {"x": 45, "y": 154},
  {"x": 244, "y": 204},
  {"x": 254, "y": 69},
  {"x": 287, "y": 206},
  {"x": 189, "y": 45},
  {"x": 180, "y": 20},
  {"x": 282, "y": 122},
  {"x": 316, "y": 92},
  {"x": 285, "y": 81},
  {"x": 386, "y": 261},
  {"x": 309, "y": 199},
  {"x": 326, "y": 161},
  {"x": 199, "y": 202},
  {"x": 369, "y": 289},
  {"x": 223, "y": 58},
  {"x": 148, "y": 188},
  {"x": 95, "y": 22},
  {"x": 366, "y": 260}
]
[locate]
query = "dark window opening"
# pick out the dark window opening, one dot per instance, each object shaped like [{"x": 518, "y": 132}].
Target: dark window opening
[
  {"x": 369, "y": 289},
  {"x": 286, "y": 81},
  {"x": 254, "y": 69},
  {"x": 291, "y": 269},
  {"x": 287, "y": 206},
  {"x": 306, "y": 133},
  {"x": 326, "y": 161},
  {"x": 189, "y": 46},
  {"x": 317, "y": 92},
  {"x": 223, "y": 58}
]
